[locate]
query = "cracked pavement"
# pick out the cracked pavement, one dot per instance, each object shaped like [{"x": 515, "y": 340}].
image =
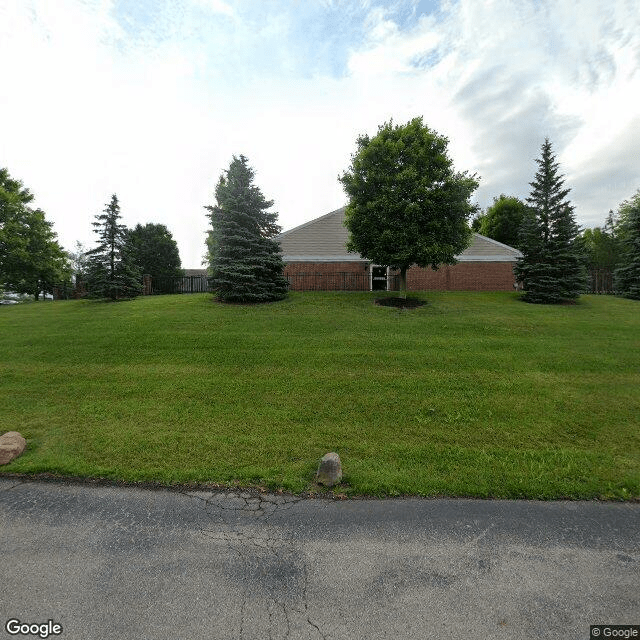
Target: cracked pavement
[{"x": 123, "y": 562}]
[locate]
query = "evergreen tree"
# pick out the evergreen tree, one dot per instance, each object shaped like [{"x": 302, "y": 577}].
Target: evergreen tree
[
  {"x": 551, "y": 268},
  {"x": 245, "y": 261},
  {"x": 111, "y": 271},
  {"x": 627, "y": 276}
]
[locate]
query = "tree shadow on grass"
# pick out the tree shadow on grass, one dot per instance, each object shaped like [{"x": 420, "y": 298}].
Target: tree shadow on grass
[{"x": 400, "y": 303}]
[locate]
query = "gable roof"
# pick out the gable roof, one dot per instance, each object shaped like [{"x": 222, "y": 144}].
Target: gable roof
[
  {"x": 325, "y": 240},
  {"x": 321, "y": 240}
]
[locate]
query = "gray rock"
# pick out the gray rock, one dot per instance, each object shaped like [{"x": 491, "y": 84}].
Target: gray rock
[
  {"x": 330, "y": 470},
  {"x": 12, "y": 444}
]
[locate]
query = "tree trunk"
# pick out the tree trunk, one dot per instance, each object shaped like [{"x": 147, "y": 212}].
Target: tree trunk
[{"x": 403, "y": 282}]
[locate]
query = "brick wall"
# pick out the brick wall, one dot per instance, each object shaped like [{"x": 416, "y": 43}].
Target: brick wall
[
  {"x": 327, "y": 276},
  {"x": 464, "y": 276},
  {"x": 352, "y": 276}
]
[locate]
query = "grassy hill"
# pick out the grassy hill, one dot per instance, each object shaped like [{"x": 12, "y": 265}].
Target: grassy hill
[{"x": 472, "y": 394}]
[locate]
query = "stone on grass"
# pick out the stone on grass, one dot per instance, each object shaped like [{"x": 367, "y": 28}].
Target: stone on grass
[
  {"x": 330, "y": 470},
  {"x": 12, "y": 444}
]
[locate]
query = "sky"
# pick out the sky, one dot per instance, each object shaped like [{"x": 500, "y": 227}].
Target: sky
[{"x": 151, "y": 99}]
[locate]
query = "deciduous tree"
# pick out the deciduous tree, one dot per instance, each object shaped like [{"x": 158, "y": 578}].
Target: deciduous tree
[
  {"x": 79, "y": 263},
  {"x": 601, "y": 246},
  {"x": 407, "y": 205},
  {"x": 31, "y": 260},
  {"x": 503, "y": 219},
  {"x": 155, "y": 252}
]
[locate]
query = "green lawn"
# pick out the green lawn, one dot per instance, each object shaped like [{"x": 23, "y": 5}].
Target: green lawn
[{"x": 473, "y": 394}]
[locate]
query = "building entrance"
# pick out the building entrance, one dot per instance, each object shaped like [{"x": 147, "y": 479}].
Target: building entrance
[{"x": 379, "y": 278}]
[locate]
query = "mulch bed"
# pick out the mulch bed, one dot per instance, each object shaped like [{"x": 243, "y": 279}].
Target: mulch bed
[{"x": 400, "y": 303}]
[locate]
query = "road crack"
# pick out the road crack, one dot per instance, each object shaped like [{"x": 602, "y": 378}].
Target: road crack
[{"x": 269, "y": 563}]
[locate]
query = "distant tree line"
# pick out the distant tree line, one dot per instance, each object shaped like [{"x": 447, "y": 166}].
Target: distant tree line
[
  {"x": 115, "y": 267},
  {"x": 33, "y": 262}
]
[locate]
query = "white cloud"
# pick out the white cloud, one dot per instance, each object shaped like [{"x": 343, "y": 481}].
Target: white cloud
[
  {"x": 216, "y": 6},
  {"x": 155, "y": 115},
  {"x": 507, "y": 74}
]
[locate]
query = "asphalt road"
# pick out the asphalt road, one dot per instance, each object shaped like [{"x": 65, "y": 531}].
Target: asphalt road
[{"x": 129, "y": 563}]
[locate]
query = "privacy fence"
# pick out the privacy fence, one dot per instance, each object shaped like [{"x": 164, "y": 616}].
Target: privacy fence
[{"x": 600, "y": 281}]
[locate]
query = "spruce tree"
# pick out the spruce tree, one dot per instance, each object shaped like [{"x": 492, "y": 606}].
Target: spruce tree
[
  {"x": 111, "y": 270},
  {"x": 627, "y": 276},
  {"x": 245, "y": 260},
  {"x": 551, "y": 268}
]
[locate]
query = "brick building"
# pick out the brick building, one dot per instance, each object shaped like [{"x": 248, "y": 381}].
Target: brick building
[{"x": 317, "y": 259}]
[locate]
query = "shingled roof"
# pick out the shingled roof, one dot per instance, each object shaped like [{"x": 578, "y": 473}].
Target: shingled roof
[{"x": 325, "y": 238}]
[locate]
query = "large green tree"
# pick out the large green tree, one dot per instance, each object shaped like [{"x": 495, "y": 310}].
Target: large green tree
[
  {"x": 407, "y": 206},
  {"x": 31, "y": 260},
  {"x": 551, "y": 268},
  {"x": 47, "y": 264},
  {"x": 503, "y": 219},
  {"x": 245, "y": 260},
  {"x": 627, "y": 275},
  {"x": 155, "y": 252},
  {"x": 111, "y": 270},
  {"x": 476, "y": 222}
]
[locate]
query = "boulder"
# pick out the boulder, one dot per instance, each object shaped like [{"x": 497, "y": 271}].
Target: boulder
[
  {"x": 12, "y": 444},
  {"x": 330, "y": 470}
]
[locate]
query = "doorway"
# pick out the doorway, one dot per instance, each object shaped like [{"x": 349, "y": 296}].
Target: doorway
[{"x": 379, "y": 279}]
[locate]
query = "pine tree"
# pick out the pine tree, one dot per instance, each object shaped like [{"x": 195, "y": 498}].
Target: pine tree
[
  {"x": 627, "y": 276},
  {"x": 551, "y": 268},
  {"x": 111, "y": 271},
  {"x": 245, "y": 262}
]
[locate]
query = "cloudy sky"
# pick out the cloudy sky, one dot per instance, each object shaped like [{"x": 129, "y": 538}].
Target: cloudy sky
[{"x": 150, "y": 99}]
